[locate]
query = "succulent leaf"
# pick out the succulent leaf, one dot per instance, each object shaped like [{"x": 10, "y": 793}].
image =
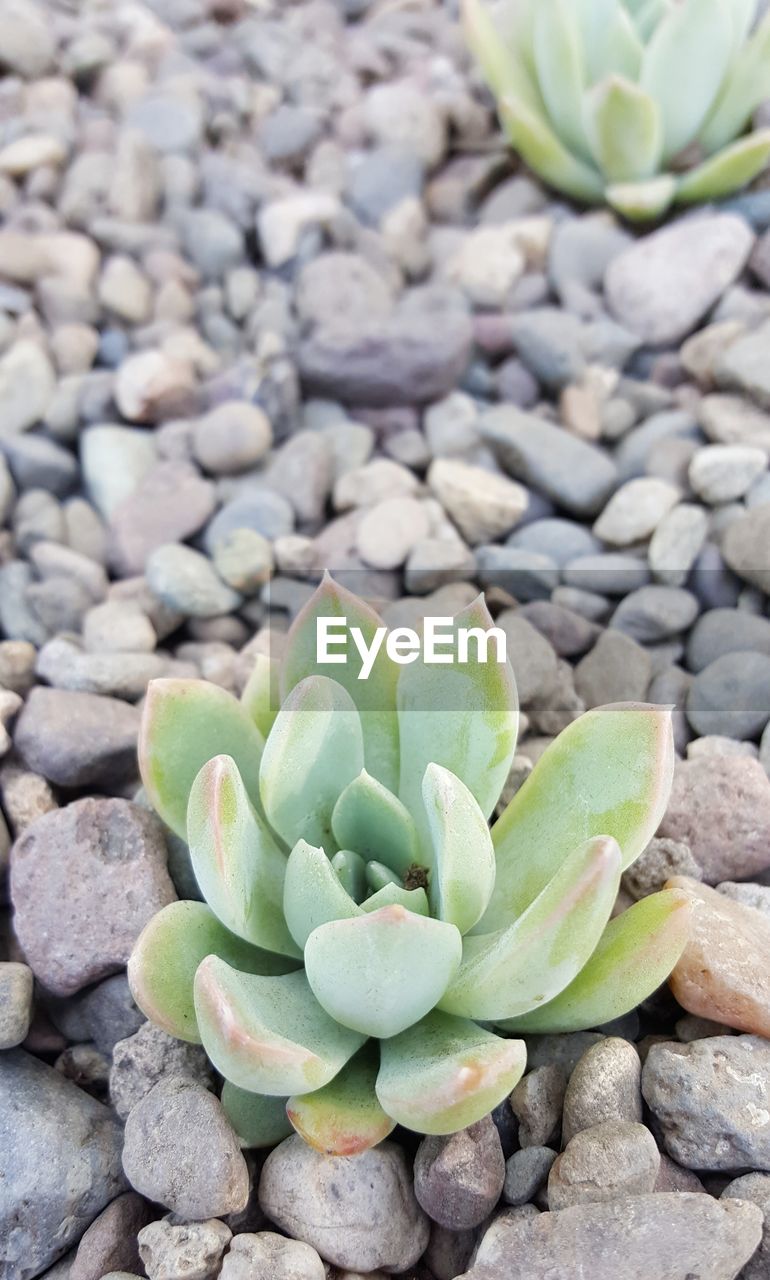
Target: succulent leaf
[
  {"x": 519, "y": 968},
  {"x": 261, "y": 696},
  {"x": 684, "y": 65},
  {"x": 625, "y": 129},
  {"x": 462, "y": 873},
  {"x": 726, "y": 171},
  {"x": 345, "y": 1117},
  {"x": 184, "y": 724},
  {"x": 370, "y": 819},
  {"x": 162, "y": 967},
  {"x": 403, "y": 965},
  {"x": 639, "y": 201},
  {"x": 542, "y": 149},
  {"x": 445, "y": 1073},
  {"x": 610, "y": 43},
  {"x": 741, "y": 91},
  {"x": 313, "y": 893},
  {"x": 636, "y": 954},
  {"x": 608, "y": 773},
  {"x": 239, "y": 867},
  {"x": 374, "y": 697},
  {"x": 258, "y": 1119},
  {"x": 415, "y": 900},
  {"x": 267, "y": 1035},
  {"x": 463, "y": 716},
  {"x": 502, "y": 59},
  {"x": 560, "y": 70},
  {"x": 378, "y": 876},
  {"x": 351, "y": 869},
  {"x": 314, "y": 750}
]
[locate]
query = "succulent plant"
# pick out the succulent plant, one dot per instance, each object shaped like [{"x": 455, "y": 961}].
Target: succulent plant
[
  {"x": 363, "y": 929},
  {"x": 641, "y": 103}
]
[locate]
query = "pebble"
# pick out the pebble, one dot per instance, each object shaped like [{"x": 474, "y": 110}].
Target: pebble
[
  {"x": 115, "y": 627},
  {"x": 84, "y": 882},
  {"x": 187, "y": 582},
  {"x": 359, "y": 1212},
  {"x": 559, "y": 539},
  {"x": 458, "y": 1179},
  {"x": 172, "y": 1249},
  {"x": 655, "y": 613},
  {"x": 259, "y": 509},
  {"x": 530, "y": 654},
  {"x": 754, "y": 1187},
  {"x": 604, "y": 1085},
  {"x": 661, "y": 859},
  {"x": 341, "y": 285},
  {"x": 484, "y": 506},
  {"x": 670, "y": 1234},
  {"x": 526, "y": 1173},
  {"x": 152, "y": 386},
  {"x": 451, "y": 425},
  {"x": 731, "y": 696},
  {"x": 28, "y": 40},
  {"x": 303, "y": 471},
  {"x": 110, "y": 1242},
  {"x": 729, "y": 419},
  {"x": 231, "y": 438},
  {"x": 212, "y": 241},
  {"x": 171, "y": 503},
  {"x": 389, "y": 531},
  {"x": 575, "y": 474},
  {"x": 60, "y": 1163},
  {"x": 745, "y": 544},
  {"x": 742, "y": 367},
  {"x": 635, "y": 510},
  {"x": 662, "y": 285},
  {"x": 372, "y": 482},
  {"x": 268, "y": 1256},
  {"x": 147, "y": 1056},
  {"x": 724, "y": 472},
  {"x": 106, "y": 1013},
  {"x": 114, "y": 461},
  {"x": 244, "y": 560},
  {"x": 722, "y": 631},
  {"x": 170, "y": 121},
  {"x": 78, "y": 739},
  {"x": 66, "y": 665},
  {"x": 604, "y": 1162},
  {"x": 525, "y": 575},
  {"x": 556, "y": 346},
  {"x": 720, "y": 808},
  {"x": 16, "y": 989},
  {"x": 567, "y": 631},
  {"x": 281, "y": 223},
  {"x": 125, "y": 290},
  {"x": 613, "y": 574},
  {"x": 710, "y": 1099},
  {"x": 27, "y": 382},
  {"x": 723, "y": 972},
  {"x": 537, "y": 1104},
  {"x": 616, "y": 670},
  {"x": 488, "y": 263},
  {"x": 750, "y": 895},
  {"x": 402, "y": 114},
  {"x": 180, "y": 1151}
]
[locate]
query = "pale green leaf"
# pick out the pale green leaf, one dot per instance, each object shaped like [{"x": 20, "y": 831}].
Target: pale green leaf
[
  {"x": 268, "y": 1035},
  {"x": 446, "y": 1073},
  {"x": 505, "y": 974},
  {"x": 642, "y": 201},
  {"x": 625, "y": 130},
  {"x": 345, "y": 1117},
  {"x": 636, "y": 954},
  {"x": 649, "y": 13},
  {"x": 378, "y": 876},
  {"x": 381, "y": 972},
  {"x": 608, "y": 38},
  {"x": 314, "y": 750},
  {"x": 683, "y": 67},
  {"x": 743, "y": 88},
  {"x": 393, "y": 894},
  {"x": 313, "y": 893},
  {"x": 184, "y": 724},
  {"x": 561, "y": 71},
  {"x": 608, "y": 773},
  {"x": 727, "y": 171},
  {"x": 239, "y": 867},
  {"x": 503, "y": 49},
  {"x": 258, "y": 1119},
  {"x": 351, "y": 869},
  {"x": 462, "y": 873},
  {"x": 545, "y": 153},
  {"x": 166, "y": 955},
  {"x": 370, "y": 819},
  {"x": 261, "y": 696}
]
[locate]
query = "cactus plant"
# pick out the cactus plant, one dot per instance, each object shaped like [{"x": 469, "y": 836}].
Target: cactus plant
[
  {"x": 642, "y": 103},
  {"x": 363, "y": 928}
]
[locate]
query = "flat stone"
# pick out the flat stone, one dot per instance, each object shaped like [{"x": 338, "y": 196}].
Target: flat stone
[
  {"x": 170, "y": 504},
  {"x": 655, "y": 613},
  {"x": 526, "y": 1173},
  {"x": 525, "y": 575},
  {"x": 710, "y": 1099},
  {"x": 174, "y": 1250},
  {"x": 569, "y": 632},
  {"x": 676, "y": 1235},
  {"x": 16, "y": 988},
  {"x": 616, "y": 670},
  {"x": 720, "y": 807},
  {"x": 530, "y": 654},
  {"x": 663, "y": 284},
  {"x": 575, "y": 474},
  {"x": 754, "y": 1187},
  {"x": 78, "y": 739},
  {"x": 110, "y": 1242},
  {"x": 59, "y": 1164},
  {"x": 560, "y": 539},
  {"x": 389, "y": 531},
  {"x": 187, "y": 582},
  {"x": 635, "y": 510},
  {"x": 722, "y": 631},
  {"x": 746, "y": 544},
  {"x": 537, "y": 1104},
  {"x": 268, "y": 1256},
  {"x": 458, "y": 1179},
  {"x": 742, "y": 366},
  {"x": 232, "y": 437},
  {"x": 148, "y": 1056},
  {"x": 725, "y": 472},
  {"x": 484, "y": 505},
  {"x": 661, "y": 859},
  {"x": 259, "y": 509},
  {"x": 615, "y": 573},
  {"x": 731, "y": 696},
  {"x": 84, "y": 882},
  {"x": 724, "y": 972},
  {"x": 181, "y": 1151},
  {"x": 604, "y": 1162},
  {"x": 604, "y": 1085},
  {"x": 336, "y": 285},
  {"x": 27, "y": 382},
  {"x": 729, "y": 419},
  {"x": 359, "y": 1212}
]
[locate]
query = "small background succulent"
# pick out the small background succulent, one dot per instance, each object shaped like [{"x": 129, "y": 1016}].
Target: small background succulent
[
  {"x": 637, "y": 102},
  {"x": 363, "y": 928}
]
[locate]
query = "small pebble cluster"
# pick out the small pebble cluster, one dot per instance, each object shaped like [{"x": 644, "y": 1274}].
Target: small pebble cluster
[{"x": 275, "y": 298}]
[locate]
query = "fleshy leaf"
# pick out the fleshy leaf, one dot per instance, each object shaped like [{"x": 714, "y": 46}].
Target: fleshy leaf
[
  {"x": 313, "y": 893},
  {"x": 184, "y": 724},
  {"x": 381, "y": 972},
  {"x": 446, "y": 1073},
  {"x": 238, "y": 865},
  {"x": 351, "y": 869},
  {"x": 500, "y": 53},
  {"x": 742, "y": 91},
  {"x": 370, "y": 819},
  {"x": 683, "y": 67},
  {"x": 462, "y": 873},
  {"x": 561, "y": 70},
  {"x": 313, "y": 752},
  {"x": 609, "y": 40},
  {"x": 544, "y": 151},
  {"x": 267, "y": 1035},
  {"x": 507, "y": 973},
  {"x": 374, "y": 696},
  {"x": 258, "y": 1119},
  {"x": 636, "y": 954},
  {"x": 261, "y": 696},
  {"x": 378, "y": 876},
  {"x": 608, "y": 773},
  {"x": 463, "y": 716},
  {"x": 625, "y": 130},
  {"x": 412, "y": 899},
  {"x": 641, "y": 201},
  {"x": 166, "y": 955},
  {"x": 345, "y": 1117},
  {"x": 727, "y": 171}
]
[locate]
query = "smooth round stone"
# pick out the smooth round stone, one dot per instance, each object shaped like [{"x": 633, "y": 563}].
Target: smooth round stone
[
  {"x": 570, "y": 633},
  {"x": 561, "y": 540},
  {"x": 746, "y": 547},
  {"x": 612, "y": 574},
  {"x": 722, "y": 473},
  {"x": 212, "y": 241},
  {"x": 117, "y": 627},
  {"x": 655, "y": 613},
  {"x": 244, "y": 560},
  {"x": 676, "y": 543},
  {"x": 526, "y": 1172},
  {"x": 231, "y": 438},
  {"x": 16, "y": 984},
  {"x": 483, "y": 504},
  {"x": 403, "y": 114},
  {"x": 616, "y": 670},
  {"x": 389, "y": 531},
  {"x": 635, "y": 510},
  {"x": 341, "y": 284},
  {"x": 261, "y": 509},
  {"x": 722, "y": 631},
  {"x": 604, "y": 1085},
  {"x": 525, "y": 575},
  {"x": 187, "y": 581},
  {"x": 731, "y": 696},
  {"x": 458, "y": 1179},
  {"x": 169, "y": 121},
  {"x": 608, "y": 1160}
]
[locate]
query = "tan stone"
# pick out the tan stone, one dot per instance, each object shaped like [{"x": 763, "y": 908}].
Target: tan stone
[{"x": 724, "y": 971}]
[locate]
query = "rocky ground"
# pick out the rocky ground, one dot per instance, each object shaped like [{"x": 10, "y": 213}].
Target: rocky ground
[{"x": 274, "y": 298}]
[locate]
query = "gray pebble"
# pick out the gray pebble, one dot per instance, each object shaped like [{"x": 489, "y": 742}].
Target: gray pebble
[
  {"x": 16, "y": 984},
  {"x": 616, "y": 670},
  {"x": 605, "y": 1085},
  {"x": 731, "y": 696},
  {"x": 655, "y": 613},
  {"x": 526, "y": 1172},
  {"x": 148, "y": 1056},
  {"x": 604, "y": 1162},
  {"x": 458, "y": 1179}
]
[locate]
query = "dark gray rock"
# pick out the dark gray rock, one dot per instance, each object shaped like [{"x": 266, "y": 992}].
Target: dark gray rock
[
  {"x": 577, "y": 475},
  {"x": 655, "y": 613},
  {"x": 526, "y": 1172},
  {"x": 458, "y": 1179},
  {"x": 110, "y": 1242},
  {"x": 616, "y": 670},
  {"x": 78, "y": 739}
]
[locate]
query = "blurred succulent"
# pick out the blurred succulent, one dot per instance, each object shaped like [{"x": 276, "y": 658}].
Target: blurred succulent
[
  {"x": 354, "y": 893},
  {"x": 636, "y": 102}
]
